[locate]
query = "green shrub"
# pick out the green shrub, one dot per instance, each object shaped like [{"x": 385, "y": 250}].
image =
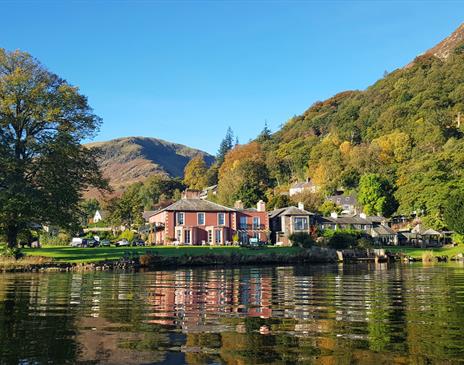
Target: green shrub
[
  {"x": 347, "y": 238},
  {"x": 12, "y": 253},
  {"x": 127, "y": 234},
  {"x": 301, "y": 239},
  {"x": 61, "y": 239},
  {"x": 342, "y": 240},
  {"x": 364, "y": 242},
  {"x": 457, "y": 238}
]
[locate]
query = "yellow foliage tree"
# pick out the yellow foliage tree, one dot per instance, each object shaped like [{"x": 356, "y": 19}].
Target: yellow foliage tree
[{"x": 195, "y": 173}]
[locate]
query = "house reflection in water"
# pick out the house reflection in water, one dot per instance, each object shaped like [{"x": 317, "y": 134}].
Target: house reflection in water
[{"x": 196, "y": 299}]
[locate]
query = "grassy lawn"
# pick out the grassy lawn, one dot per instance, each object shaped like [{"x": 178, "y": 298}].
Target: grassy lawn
[
  {"x": 417, "y": 252},
  {"x": 76, "y": 255}
]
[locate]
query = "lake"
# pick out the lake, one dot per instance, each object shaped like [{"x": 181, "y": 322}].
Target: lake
[{"x": 336, "y": 314}]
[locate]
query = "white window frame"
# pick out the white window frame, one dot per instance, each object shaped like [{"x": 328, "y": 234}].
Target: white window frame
[
  {"x": 180, "y": 214},
  {"x": 243, "y": 226},
  {"x": 216, "y": 231},
  {"x": 188, "y": 234},
  {"x": 256, "y": 226},
  {"x": 295, "y": 226},
  {"x": 243, "y": 237},
  {"x": 198, "y": 218},
  {"x": 223, "y": 215}
]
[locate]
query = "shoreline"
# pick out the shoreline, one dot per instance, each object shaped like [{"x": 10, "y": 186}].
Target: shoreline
[
  {"x": 137, "y": 259},
  {"x": 154, "y": 261}
]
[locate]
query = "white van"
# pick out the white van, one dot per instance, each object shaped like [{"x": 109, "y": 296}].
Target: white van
[{"x": 76, "y": 242}]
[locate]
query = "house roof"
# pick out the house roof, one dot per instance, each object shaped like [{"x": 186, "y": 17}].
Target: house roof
[
  {"x": 343, "y": 199},
  {"x": 196, "y": 205},
  {"x": 376, "y": 219},
  {"x": 302, "y": 185},
  {"x": 148, "y": 213},
  {"x": 288, "y": 211},
  {"x": 348, "y": 219},
  {"x": 431, "y": 232},
  {"x": 383, "y": 230}
]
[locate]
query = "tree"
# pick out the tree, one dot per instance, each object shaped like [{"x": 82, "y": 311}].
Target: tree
[
  {"x": 158, "y": 188},
  {"x": 454, "y": 212},
  {"x": 265, "y": 134},
  {"x": 310, "y": 200},
  {"x": 279, "y": 201},
  {"x": 226, "y": 145},
  {"x": 328, "y": 207},
  {"x": 195, "y": 173},
  {"x": 376, "y": 195},
  {"x": 128, "y": 209},
  {"x": 43, "y": 166},
  {"x": 212, "y": 174},
  {"x": 253, "y": 182}
]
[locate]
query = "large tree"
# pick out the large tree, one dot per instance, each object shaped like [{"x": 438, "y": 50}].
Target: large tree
[
  {"x": 195, "y": 173},
  {"x": 454, "y": 211},
  {"x": 226, "y": 145},
  {"x": 43, "y": 166},
  {"x": 376, "y": 195}
]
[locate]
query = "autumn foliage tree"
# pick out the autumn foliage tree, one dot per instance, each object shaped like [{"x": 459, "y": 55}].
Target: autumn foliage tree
[
  {"x": 195, "y": 173},
  {"x": 243, "y": 176}
]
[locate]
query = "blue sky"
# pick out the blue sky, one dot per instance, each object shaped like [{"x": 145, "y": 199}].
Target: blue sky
[{"x": 185, "y": 71}]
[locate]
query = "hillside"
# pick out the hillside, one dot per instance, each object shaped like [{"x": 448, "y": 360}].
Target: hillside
[
  {"x": 406, "y": 127},
  {"x": 131, "y": 159}
]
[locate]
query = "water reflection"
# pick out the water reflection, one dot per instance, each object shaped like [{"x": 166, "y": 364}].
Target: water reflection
[{"x": 273, "y": 315}]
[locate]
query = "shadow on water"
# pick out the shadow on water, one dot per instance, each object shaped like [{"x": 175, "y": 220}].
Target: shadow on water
[{"x": 364, "y": 314}]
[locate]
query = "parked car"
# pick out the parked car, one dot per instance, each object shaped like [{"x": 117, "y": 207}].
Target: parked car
[
  {"x": 92, "y": 243},
  {"x": 123, "y": 242},
  {"x": 138, "y": 243},
  {"x": 105, "y": 243},
  {"x": 76, "y": 242}
]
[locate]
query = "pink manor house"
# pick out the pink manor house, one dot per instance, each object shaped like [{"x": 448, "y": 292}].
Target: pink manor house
[{"x": 194, "y": 221}]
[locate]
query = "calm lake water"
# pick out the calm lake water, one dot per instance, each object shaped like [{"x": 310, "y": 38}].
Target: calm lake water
[{"x": 362, "y": 314}]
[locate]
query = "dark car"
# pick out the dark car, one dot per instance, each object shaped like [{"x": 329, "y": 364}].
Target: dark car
[
  {"x": 105, "y": 243},
  {"x": 138, "y": 243}
]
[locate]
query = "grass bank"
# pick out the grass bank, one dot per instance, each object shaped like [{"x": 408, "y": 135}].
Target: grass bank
[
  {"x": 55, "y": 258},
  {"x": 418, "y": 252},
  {"x": 89, "y": 255}
]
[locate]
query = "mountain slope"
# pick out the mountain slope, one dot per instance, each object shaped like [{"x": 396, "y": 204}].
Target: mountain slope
[
  {"x": 407, "y": 127},
  {"x": 131, "y": 159}
]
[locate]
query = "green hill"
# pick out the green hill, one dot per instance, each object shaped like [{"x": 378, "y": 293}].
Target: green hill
[{"x": 406, "y": 127}]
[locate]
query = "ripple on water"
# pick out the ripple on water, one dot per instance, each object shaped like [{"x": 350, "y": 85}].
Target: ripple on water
[{"x": 361, "y": 314}]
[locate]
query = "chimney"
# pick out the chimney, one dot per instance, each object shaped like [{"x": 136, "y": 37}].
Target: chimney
[
  {"x": 334, "y": 215},
  {"x": 301, "y": 205},
  {"x": 261, "y": 206},
  {"x": 363, "y": 215},
  {"x": 238, "y": 204},
  {"x": 190, "y": 194}
]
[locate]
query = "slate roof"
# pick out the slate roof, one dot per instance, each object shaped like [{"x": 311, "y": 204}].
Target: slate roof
[
  {"x": 196, "y": 205},
  {"x": 301, "y": 185},
  {"x": 348, "y": 220},
  {"x": 383, "y": 230},
  {"x": 352, "y": 219},
  {"x": 288, "y": 211},
  {"x": 148, "y": 213},
  {"x": 342, "y": 199}
]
